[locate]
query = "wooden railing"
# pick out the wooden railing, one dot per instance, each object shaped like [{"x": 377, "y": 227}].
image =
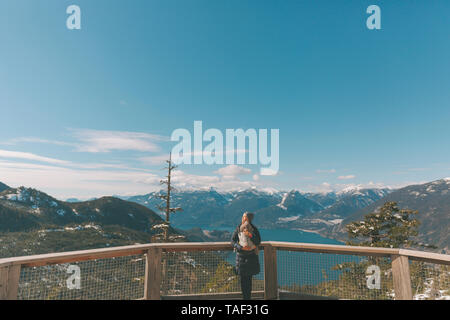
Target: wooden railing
[{"x": 10, "y": 267}]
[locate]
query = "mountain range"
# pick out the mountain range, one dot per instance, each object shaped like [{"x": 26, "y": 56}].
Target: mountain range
[
  {"x": 271, "y": 208},
  {"x": 431, "y": 200},
  {"x": 323, "y": 213},
  {"x": 33, "y": 222}
]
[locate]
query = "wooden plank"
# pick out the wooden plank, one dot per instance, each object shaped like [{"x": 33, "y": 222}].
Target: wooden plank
[
  {"x": 104, "y": 253},
  {"x": 153, "y": 274},
  {"x": 270, "y": 273},
  {"x": 426, "y": 256},
  {"x": 73, "y": 256},
  {"x": 13, "y": 282},
  {"x": 3, "y": 282},
  {"x": 213, "y": 296},
  {"x": 9, "y": 282},
  {"x": 333, "y": 249},
  {"x": 401, "y": 277}
]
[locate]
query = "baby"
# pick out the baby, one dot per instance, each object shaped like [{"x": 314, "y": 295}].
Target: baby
[{"x": 244, "y": 240}]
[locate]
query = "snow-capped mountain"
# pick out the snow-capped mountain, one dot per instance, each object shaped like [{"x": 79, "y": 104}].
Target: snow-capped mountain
[
  {"x": 272, "y": 207},
  {"x": 33, "y": 222},
  {"x": 431, "y": 200},
  {"x": 351, "y": 200},
  {"x": 326, "y": 200},
  {"x": 3, "y": 187},
  {"x": 209, "y": 207},
  {"x": 26, "y": 208}
]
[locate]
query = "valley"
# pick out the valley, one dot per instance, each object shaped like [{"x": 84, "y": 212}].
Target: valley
[{"x": 32, "y": 222}]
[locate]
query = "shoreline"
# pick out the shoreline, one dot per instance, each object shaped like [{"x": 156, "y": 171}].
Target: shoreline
[{"x": 310, "y": 231}]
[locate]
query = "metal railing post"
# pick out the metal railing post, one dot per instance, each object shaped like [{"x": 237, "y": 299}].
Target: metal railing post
[
  {"x": 270, "y": 273},
  {"x": 401, "y": 277},
  {"x": 153, "y": 274}
]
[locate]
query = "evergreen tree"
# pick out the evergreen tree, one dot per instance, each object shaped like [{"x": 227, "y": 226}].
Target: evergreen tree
[{"x": 389, "y": 227}]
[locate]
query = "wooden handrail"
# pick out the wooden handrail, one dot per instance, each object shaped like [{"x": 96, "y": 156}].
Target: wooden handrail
[
  {"x": 10, "y": 267},
  {"x": 334, "y": 249},
  {"x": 430, "y": 257},
  {"x": 103, "y": 253},
  {"x": 82, "y": 255}
]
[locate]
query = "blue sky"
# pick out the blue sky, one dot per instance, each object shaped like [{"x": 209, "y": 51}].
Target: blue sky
[{"x": 88, "y": 112}]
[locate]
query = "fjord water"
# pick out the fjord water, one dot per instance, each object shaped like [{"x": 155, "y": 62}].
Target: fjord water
[{"x": 287, "y": 235}]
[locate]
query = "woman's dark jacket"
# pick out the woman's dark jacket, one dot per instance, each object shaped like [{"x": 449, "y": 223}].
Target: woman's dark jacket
[{"x": 247, "y": 262}]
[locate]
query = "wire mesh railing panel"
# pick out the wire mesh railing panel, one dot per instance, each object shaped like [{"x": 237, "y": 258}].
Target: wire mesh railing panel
[
  {"x": 430, "y": 281},
  {"x": 335, "y": 276},
  {"x": 103, "y": 279},
  {"x": 203, "y": 272}
]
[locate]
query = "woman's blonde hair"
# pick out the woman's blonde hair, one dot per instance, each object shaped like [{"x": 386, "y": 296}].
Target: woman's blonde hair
[{"x": 250, "y": 216}]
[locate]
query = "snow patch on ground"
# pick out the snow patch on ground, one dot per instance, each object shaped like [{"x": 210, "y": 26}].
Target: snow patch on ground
[
  {"x": 190, "y": 261},
  {"x": 283, "y": 200},
  {"x": 431, "y": 293},
  {"x": 288, "y": 219},
  {"x": 160, "y": 226},
  {"x": 327, "y": 222},
  {"x": 207, "y": 233},
  {"x": 11, "y": 197},
  {"x": 76, "y": 228}
]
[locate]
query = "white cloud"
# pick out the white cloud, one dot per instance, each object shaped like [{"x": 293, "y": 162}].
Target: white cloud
[
  {"x": 348, "y": 177},
  {"x": 96, "y": 180},
  {"x": 81, "y": 183},
  {"x": 96, "y": 141},
  {"x": 161, "y": 159},
  {"x": 269, "y": 172},
  {"x": 325, "y": 171},
  {"x": 36, "y": 140},
  {"x": 34, "y": 157},
  {"x": 324, "y": 187},
  {"x": 233, "y": 170},
  {"x": 155, "y": 160},
  {"x": 31, "y": 156},
  {"x": 183, "y": 180}
]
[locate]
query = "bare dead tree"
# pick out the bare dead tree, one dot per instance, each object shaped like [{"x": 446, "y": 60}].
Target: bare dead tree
[
  {"x": 167, "y": 197},
  {"x": 168, "y": 258}
]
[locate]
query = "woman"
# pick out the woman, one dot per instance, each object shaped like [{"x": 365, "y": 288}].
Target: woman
[{"x": 247, "y": 262}]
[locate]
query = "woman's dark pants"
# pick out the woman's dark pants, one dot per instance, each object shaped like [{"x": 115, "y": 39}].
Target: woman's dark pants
[{"x": 246, "y": 286}]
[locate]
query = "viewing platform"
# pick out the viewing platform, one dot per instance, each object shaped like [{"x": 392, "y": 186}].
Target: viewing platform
[{"x": 204, "y": 270}]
